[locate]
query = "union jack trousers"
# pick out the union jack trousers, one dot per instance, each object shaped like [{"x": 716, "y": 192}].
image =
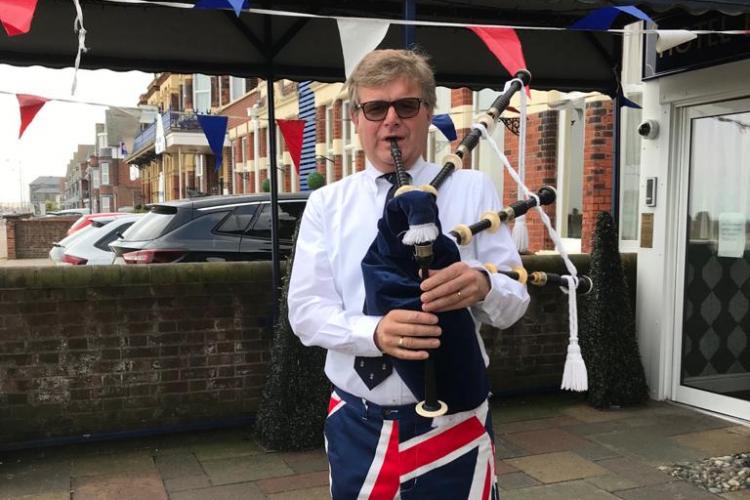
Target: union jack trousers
[{"x": 386, "y": 453}]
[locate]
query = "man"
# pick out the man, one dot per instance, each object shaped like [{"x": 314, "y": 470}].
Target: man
[{"x": 377, "y": 446}]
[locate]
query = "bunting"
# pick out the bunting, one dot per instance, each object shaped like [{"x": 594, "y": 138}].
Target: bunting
[
  {"x": 445, "y": 125},
  {"x": 601, "y": 19},
  {"x": 215, "y": 128},
  {"x": 667, "y": 39},
  {"x": 505, "y": 45},
  {"x": 236, "y": 5},
  {"x": 292, "y": 131},
  {"x": 358, "y": 37},
  {"x": 29, "y": 105},
  {"x": 16, "y": 16}
]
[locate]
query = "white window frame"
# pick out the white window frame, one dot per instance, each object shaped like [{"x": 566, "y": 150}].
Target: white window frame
[
  {"x": 568, "y": 152},
  {"x": 492, "y": 166},
  {"x": 201, "y": 90},
  {"x": 629, "y": 121},
  {"x": 95, "y": 179},
  {"x": 237, "y": 88},
  {"x": 329, "y": 144},
  {"x": 347, "y": 137},
  {"x": 105, "y": 174},
  {"x": 106, "y": 202}
]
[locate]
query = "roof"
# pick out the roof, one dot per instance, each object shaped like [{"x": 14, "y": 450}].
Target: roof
[{"x": 156, "y": 38}]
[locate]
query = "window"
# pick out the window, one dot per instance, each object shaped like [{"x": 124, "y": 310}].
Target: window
[
  {"x": 95, "y": 180},
  {"x": 330, "y": 175},
  {"x": 484, "y": 157},
  {"x": 236, "y": 88},
  {"x": 289, "y": 213},
  {"x": 105, "y": 174},
  {"x": 101, "y": 140},
  {"x": 570, "y": 172},
  {"x": 201, "y": 93},
  {"x": 103, "y": 243},
  {"x": 106, "y": 203},
  {"x": 238, "y": 220},
  {"x": 346, "y": 127}
]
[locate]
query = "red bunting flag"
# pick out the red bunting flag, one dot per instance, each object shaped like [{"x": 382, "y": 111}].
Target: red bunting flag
[
  {"x": 16, "y": 15},
  {"x": 292, "y": 131},
  {"x": 504, "y": 43},
  {"x": 29, "y": 106}
]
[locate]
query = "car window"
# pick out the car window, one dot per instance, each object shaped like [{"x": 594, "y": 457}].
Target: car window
[
  {"x": 289, "y": 213},
  {"x": 150, "y": 226},
  {"x": 238, "y": 220},
  {"x": 104, "y": 241}
]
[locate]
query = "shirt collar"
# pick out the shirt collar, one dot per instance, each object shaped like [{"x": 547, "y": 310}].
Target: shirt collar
[{"x": 415, "y": 171}]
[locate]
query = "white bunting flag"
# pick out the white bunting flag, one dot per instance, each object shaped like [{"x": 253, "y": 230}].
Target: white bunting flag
[
  {"x": 667, "y": 39},
  {"x": 358, "y": 37}
]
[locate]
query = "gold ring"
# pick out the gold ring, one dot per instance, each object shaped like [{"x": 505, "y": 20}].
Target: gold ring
[{"x": 401, "y": 341}]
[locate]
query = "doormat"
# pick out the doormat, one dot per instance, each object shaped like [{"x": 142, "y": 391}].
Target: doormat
[{"x": 717, "y": 475}]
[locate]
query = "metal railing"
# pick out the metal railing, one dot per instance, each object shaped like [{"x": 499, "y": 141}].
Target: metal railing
[{"x": 172, "y": 121}]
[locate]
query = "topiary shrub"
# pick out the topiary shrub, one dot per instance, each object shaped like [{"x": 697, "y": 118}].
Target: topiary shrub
[
  {"x": 607, "y": 339},
  {"x": 293, "y": 406},
  {"x": 266, "y": 185},
  {"x": 315, "y": 180}
]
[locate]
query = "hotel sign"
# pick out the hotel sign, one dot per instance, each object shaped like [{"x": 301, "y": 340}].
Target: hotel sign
[{"x": 704, "y": 51}]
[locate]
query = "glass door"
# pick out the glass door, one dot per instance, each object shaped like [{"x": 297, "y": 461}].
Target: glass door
[{"x": 714, "y": 344}]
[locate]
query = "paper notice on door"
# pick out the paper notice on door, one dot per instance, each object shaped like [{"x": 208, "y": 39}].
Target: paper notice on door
[{"x": 731, "y": 234}]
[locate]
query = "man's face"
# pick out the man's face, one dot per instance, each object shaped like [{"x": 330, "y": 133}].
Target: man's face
[{"x": 375, "y": 136}]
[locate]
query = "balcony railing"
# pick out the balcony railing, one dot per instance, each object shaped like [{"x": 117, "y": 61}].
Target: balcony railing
[{"x": 172, "y": 121}]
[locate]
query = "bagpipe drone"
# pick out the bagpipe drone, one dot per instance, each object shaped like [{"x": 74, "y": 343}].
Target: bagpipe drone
[{"x": 410, "y": 241}]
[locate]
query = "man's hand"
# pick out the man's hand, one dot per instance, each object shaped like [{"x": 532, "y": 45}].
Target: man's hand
[
  {"x": 405, "y": 334},
  {"x": 454, "y": 287}
]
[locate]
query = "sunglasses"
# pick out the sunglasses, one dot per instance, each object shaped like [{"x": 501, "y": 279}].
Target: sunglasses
[{"x": 406, "y": 107}]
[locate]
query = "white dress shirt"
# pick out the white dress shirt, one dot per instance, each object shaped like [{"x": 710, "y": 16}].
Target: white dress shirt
[{"x": 326, "y": 289}]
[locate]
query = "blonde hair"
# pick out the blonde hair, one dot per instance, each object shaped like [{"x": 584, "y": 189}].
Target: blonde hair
[{"x": 381, "y": 67}]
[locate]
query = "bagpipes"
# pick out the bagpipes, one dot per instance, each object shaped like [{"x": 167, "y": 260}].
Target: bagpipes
[{"x": 410, "y": 241}]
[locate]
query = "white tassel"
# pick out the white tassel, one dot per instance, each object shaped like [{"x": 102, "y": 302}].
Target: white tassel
[
  {"x": 575, "y": 377},
  {"x": 420, "y": 233},
  {"x": 81, "y": 32},
  {"x": 521, "y": 234}
]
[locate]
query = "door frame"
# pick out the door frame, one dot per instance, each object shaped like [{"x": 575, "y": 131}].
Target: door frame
[{"x": 683, "y": 113}]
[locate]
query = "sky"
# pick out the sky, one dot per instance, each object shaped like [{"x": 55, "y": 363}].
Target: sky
[{"x": 50, "y": 141}]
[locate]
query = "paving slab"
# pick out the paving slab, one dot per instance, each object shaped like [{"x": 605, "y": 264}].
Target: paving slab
[
  {"x": 635, "y": 471},
  {"x": 33, "y": 477},
  {"x": 141, "y": 486},
  {"x": 535, "y": 424},
  {"x": 243, "y": 491},
  {"x": 228, "y": 448},
  {"x": 246, "y": 468},
  {"x": 516, "y": 480},
  {"x": 676, "y": 489},
  {"x": 134, "y": 462},
  {"x": 178, "y": 465},
  {"x": 612, "y": 482},
  {"x": 187, "y": 483},
  {"x": 306, "y": 461},
  {"x": 556, "y": 467},
  {"x": 318, "y": 493},
  {"x": 546, "y": 441},
  {"x": 736, "y": 495},
  {"x": 588, "y": 414},
  {"x": 574, "y": 490},
  {"x": 503, "y": 467},
  {"x": 719, "y": 442},
  {"x": 505, "y": 449},
  {"x": 653, "y": 448},
  {"x": 46, "y": 496},
  {"x": 295, "y": 482}
]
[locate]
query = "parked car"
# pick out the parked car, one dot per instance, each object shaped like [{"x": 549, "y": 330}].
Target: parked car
[
  {"x": 92, "y": 248},
  {"x": 57, "y": 252},
  {"x": 70, "y": 211},
  {"x": 214, "y": 228},
  {"x": 86, "y": 219}
]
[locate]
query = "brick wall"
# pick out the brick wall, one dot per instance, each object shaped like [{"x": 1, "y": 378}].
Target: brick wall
[
  {"x": 597, "y": 167},
  {"x": 33, "y": 238},
  {"x": 117, "y": 348}
]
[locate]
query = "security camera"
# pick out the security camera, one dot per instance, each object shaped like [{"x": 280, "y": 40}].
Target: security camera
[{"x": 648, "y": 129}]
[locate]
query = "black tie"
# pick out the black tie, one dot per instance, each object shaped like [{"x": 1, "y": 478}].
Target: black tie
[{"x": 373, "y": 370}]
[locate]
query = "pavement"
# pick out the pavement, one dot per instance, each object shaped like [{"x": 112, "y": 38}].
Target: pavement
[{"x": 548, "y": 448}]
